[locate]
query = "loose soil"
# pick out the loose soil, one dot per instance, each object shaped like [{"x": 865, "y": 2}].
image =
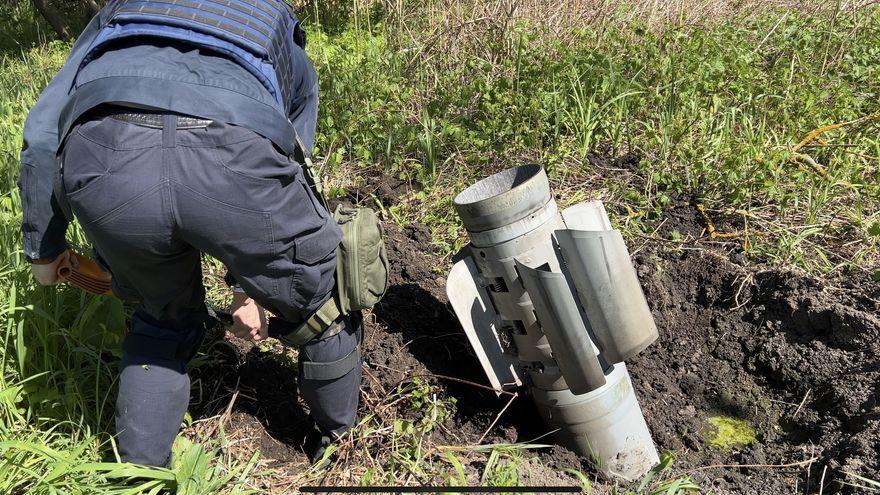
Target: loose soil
[{"x": 792, "y": 355}]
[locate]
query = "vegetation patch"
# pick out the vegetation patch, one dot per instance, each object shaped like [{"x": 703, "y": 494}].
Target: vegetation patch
[{"x": 728, "y": 432}]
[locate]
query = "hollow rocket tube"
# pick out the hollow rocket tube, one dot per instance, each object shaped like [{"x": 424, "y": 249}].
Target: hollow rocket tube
[{"x": 511, "y": 218}]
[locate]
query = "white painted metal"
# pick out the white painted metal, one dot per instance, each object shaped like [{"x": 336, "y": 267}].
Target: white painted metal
[
  {"x": 588, "y": 215},
  {"x": 609, "y": 291},
  {"x": 478, "y": 319}
]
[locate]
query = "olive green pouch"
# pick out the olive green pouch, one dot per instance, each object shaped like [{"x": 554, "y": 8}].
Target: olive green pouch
[{"x": 361, "y": 260}]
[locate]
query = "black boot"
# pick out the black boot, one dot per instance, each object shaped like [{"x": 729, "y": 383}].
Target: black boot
[{"x": 315, "y": 446}]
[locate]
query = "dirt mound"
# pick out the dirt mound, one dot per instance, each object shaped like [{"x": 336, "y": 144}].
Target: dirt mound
[
  {"x": 793, "y": 357},
  {"x": 415, "y": 332}
]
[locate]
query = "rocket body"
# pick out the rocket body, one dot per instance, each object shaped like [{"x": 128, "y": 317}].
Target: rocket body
[{"x": 549, "y": 301}]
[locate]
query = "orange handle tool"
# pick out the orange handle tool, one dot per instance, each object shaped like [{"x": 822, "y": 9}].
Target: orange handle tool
[{"x": 83, "y": 273}]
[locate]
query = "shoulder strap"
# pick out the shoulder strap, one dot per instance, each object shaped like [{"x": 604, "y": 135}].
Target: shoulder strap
[{"x": 300, "y": 155}]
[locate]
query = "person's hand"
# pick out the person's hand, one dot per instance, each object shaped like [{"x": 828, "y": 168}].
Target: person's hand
[
  {"x": 46, "y": 271},
  {"x": 248, "y": 318}
]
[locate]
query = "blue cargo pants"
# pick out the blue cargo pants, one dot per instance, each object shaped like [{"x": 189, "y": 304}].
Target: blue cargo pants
[{"x": 151, "y": 200}]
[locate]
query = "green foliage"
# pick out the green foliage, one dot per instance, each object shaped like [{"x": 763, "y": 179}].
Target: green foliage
[
  {"x": 502, "y": 467},
  {"x": 427, "y": 412},
  {"x": 196, "y": 474},
  {"x": 653, "y": 484},
  {"x": 424, "y": 402},
  {"x": 581, "y": 477},
  {"x": 405, "y": 449},
  {"x": 711, "y": 112},
  {"x": 460, "y": 479},
  {"x": 20, "y": 27},
  {"x": 727, "y": 432}
]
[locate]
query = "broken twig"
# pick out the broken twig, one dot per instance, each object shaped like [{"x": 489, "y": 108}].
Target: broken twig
[
  {"x": 497, "y": 417},
  {"x": 770, "y": 466}
]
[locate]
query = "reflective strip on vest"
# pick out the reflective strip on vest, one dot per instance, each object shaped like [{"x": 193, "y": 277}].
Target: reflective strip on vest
[{"x": 257, "y": 34}]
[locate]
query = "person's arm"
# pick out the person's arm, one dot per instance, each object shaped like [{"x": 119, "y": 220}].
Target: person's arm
[
  {"x": 43, "y": 224},
  {"x": 304, "y": 104}
]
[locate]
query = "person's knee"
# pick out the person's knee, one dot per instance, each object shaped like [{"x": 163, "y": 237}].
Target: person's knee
[
  {"x": 330, "y": 378},
  {"x": 152, "y": 401}
]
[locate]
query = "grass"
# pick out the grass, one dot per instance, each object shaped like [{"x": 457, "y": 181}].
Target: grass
[
  {"x": 712, "y": 116},
  {"x": 708, "y": 104},
  {"x": 866, "y": 485}
]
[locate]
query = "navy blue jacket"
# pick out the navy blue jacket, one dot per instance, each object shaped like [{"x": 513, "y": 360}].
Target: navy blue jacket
[{"x": 154, "y": 75}]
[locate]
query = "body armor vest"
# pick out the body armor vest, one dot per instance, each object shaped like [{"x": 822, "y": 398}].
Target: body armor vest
[{"x": 259, "y": 35}]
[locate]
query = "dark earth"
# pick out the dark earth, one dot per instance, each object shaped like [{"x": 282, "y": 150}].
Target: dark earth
[{"x": 792, "y": 355}]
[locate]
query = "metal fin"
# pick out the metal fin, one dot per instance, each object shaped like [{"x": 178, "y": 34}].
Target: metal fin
[
  {"x": 609, "y": 291},
  {"x": 564, "y": 327},
  {"x": 588, "y": 215},
  {"x": 478, "y": 318}
]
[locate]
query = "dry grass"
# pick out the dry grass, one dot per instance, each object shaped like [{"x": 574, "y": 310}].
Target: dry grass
[{"x": 559, "y": 19}]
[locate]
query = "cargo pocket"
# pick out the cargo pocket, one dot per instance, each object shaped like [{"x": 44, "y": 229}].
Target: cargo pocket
[
  {"x": 318, "y": 245},
  {"x": 315, "y": 253},
  {"x": 245, "y": 155},
  {"x": 375, "y": 264},
  {"x": 85, "y": 164}
]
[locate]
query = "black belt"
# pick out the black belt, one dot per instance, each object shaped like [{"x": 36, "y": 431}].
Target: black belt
[{"x": 157, "y": 120}]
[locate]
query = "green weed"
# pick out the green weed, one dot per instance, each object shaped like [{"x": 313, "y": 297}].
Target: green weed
[
  {"x": 502, "y": 467},
  {"x": 652, "y": 484},
  {"x": 713, "y": 114}
]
